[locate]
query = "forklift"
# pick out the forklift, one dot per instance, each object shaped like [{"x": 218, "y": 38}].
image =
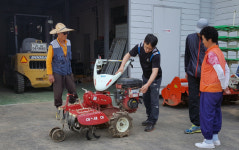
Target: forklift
[{"x": 28, "y": 39}]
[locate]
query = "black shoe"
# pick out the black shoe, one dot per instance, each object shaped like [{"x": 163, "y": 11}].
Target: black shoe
[
  {"x": 149, "y": 127},
  {"x": 73, "y": 98},
  {"x": 145, "y": 123}
]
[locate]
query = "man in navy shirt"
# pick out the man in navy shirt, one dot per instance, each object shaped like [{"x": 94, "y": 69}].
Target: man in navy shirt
[
  {"x": 194, "y": 54},
  {"x": 149, "y": 57}
]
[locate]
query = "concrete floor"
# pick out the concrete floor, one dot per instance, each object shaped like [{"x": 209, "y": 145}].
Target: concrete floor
[{"x": 25, "y": 125}]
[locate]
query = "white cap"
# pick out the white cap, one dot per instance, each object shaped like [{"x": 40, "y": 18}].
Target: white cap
[{"x": 201, "y": 24}]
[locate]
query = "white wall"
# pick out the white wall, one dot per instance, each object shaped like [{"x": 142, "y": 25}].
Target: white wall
[
  {"x": 141, "y": 23},
  {"x": 206, "y": 10},
  {"x": 219, "y": 12},
  {"x": 223, "y": 14},
  {"x": 223, "y": 11}
]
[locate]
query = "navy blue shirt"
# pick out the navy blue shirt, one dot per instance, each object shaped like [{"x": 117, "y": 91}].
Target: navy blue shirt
[
  {"x": 146, "y": 63},
  {"x": 193, "y": 56}
]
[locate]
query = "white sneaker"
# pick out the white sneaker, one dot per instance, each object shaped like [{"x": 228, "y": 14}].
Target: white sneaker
[
  {"x": 217, "y": 142},
  {"x": 204, "y": 145}
]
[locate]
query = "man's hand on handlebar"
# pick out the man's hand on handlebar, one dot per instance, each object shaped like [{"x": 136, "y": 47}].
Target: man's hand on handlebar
[{"x": 121, "y": 69}]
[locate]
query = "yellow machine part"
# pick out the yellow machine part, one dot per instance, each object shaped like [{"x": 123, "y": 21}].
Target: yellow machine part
[{"x": 33, "y": 66}]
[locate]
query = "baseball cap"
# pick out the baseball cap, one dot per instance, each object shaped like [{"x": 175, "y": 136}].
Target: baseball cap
[{"x": 201, "y": 24}]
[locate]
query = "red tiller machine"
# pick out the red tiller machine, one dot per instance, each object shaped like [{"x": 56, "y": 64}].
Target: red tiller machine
[{"x": 101, "y": 107}]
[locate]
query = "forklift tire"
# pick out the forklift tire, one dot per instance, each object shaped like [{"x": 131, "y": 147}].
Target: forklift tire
[{"x": 19, "y": 85}]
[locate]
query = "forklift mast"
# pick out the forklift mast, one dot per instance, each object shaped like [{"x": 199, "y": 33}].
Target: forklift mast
[{"x": 30, "y": 26}]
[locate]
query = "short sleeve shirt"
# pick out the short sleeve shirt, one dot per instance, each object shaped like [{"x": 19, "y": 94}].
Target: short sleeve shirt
[{"x": 148, "y": 61}]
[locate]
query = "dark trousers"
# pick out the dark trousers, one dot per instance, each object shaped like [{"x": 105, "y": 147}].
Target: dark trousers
[
  {"x": 151, "y": 100},
  {"x": 210, "y": 113},
  {"x": 59, "y": 84},
  {"x": 194, "y": 99}
]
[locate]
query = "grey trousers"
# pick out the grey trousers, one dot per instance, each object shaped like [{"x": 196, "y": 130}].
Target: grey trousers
[{"x": 151, "y": 100}]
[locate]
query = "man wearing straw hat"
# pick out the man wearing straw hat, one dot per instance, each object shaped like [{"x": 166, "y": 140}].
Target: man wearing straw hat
[{"x": 58, "y": 65}]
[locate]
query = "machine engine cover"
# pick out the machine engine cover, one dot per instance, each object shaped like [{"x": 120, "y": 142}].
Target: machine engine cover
[
  {"x": 129, "y": 82},
  {"x": 97, "y": 98},
  {"x": 101, "y": 99}
]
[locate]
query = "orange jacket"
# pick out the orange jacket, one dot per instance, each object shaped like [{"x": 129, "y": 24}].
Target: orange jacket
[{"x": 209, "y": 79}]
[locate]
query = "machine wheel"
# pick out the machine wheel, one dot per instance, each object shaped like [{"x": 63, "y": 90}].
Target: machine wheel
[
  {"x": 120, "y": 124},
  {"x": 19, "y": 85},
  {"x": 58, "y": 135},
  {"x": 52, "y": 130}
]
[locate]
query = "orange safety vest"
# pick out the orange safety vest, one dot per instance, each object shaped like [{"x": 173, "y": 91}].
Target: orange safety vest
[{"x": 209, "y": 79}]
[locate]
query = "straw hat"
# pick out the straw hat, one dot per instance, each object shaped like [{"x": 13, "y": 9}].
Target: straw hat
[{"x": 60, "y": 27}]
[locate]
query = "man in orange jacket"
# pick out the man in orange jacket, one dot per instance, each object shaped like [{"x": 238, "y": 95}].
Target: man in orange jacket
[{"x": 214, "y": 80}]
